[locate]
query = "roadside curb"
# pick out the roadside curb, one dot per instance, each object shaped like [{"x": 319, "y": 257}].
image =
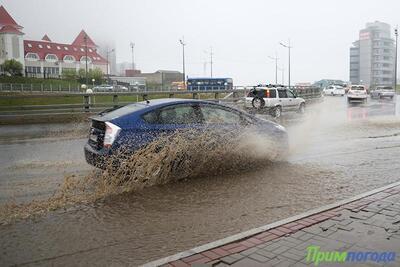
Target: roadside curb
[{"x": 317, "y": 215}]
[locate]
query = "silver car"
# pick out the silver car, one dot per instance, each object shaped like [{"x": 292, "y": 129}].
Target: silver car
[
  {"x": 274, "y": 100},
  {"x": 383, "y": 92}
]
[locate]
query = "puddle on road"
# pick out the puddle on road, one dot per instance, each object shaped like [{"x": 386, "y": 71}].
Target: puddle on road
[
  {"x": 333, "y": 160},
  {"x": 182, "y": 155}
]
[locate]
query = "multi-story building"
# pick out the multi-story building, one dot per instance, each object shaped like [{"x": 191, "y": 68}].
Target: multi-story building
[
  {"x": 372, "y": 56},
  {"x": 45, "y": 58}
]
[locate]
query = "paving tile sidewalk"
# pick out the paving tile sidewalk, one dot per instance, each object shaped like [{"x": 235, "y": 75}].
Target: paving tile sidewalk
[{"x": 371, "y": 223}]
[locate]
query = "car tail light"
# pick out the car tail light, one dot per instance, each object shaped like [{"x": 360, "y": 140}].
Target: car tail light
[{"x": 111, "y": 134}]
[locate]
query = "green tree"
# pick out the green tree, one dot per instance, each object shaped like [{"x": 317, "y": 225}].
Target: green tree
[
  {"x": 69, "y": 74},
  {"x": 96, "y": 74},
  {"x": 12, "y": 67},
  {"x": 82, "y": 74}
]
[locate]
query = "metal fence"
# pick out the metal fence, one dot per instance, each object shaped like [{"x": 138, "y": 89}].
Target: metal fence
[{"x": 90, "y": 106}]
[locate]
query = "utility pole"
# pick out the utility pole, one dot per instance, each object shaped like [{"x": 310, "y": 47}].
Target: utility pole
[
  {"x": 182, "y": 41},
  {"x": 86, "y": 69},
  {"x": 133, "y": 55},
  {"x": 210, "y": 53},
  {"x": 276, "y": 66},
  {"x": 211, "y": 61},
  {"x": 395, "y": 62},
  {"x": 288, "y": 47},
  {"x": 108, "y": 52}
]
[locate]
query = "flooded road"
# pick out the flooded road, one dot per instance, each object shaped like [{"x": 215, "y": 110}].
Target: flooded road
[{"x": 337, "y": 151}]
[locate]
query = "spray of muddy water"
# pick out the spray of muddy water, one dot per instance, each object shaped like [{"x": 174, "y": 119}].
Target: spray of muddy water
[{"x": 181, "y": 155}]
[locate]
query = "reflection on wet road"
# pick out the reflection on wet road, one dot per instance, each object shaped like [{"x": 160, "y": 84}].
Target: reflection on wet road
[{"x": 337, "y": 151}]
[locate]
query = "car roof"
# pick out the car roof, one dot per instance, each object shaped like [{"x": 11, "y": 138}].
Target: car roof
[
  {"x": 269, "y": 88},
  {"x": 162, "y": 101},
  {"x": 145, "y": 106}
]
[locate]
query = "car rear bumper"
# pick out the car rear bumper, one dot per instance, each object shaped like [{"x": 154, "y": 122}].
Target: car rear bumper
[
  {"x": 97, "y": 158},
  {"x": 386, "y": 95},
  {"x": 356, "y": 97}
]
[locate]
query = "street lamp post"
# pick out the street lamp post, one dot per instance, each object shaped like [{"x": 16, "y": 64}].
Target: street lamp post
[
  {"x": 182, "y": 41},
  {"x": 86, "y": 68},
  {"x": 276, "y": 67},
  {"x": 288, "y": 47},
  {"x": 395, "y": 62},
  {"x": 133, "y": 55},
  {"x": 108, "y": 52}
]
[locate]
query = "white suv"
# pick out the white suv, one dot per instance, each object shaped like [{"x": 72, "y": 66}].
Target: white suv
[
  {"x": 274, "y": 100},
  {"x": 357, "y": 93}
]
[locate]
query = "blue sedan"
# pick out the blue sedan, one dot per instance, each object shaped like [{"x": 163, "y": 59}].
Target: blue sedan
[{"x": 135, "y": 125}]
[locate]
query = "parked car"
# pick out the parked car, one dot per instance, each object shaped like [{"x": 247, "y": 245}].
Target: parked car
[
  {"x": 120, "y": 88},
  {"x": 383, "y": 92},
  {"x": 134, "y": 126},
  {"x": 274, "y": 100},
  {"x": 357, "y": 93},
  {"x": 103, "y": 88},
  {"x": 334, "y": 90}
]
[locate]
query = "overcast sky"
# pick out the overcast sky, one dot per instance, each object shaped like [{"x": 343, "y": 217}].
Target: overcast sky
[{"x": 243, "y": 34}]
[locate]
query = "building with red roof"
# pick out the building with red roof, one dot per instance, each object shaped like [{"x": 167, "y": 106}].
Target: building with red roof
[{"x": 45, "y": 58}]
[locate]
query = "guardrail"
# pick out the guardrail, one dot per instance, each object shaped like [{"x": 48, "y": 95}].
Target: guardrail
[{"x": 90, "y": 106}]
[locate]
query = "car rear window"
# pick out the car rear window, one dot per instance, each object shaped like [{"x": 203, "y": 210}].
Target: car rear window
[
  {"x": 263, "y": 93},
  {"x": 123, "y": 111},
  {"x": 357, "y": 88}
]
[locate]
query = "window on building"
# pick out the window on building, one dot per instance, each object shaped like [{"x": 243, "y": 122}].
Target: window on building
[
  {"x": 32, "y": 69},
  {"x": 65, "y": 48},
  {"x": 48, "y": 46},
  {"x": 51, "y": 70},
  {"x": 75, "y": 49},
  {"x": 90, "y": 50},
  {"x": 83, "y": 50},
  {"x": 58, "y": 47},
  {"x": 40, "y": 46},
  {"x": 32, "y": 56},
  {"x": 51, "y": 58},
  {"x": 29, "y": 45},
  {"x": 83, "y": 59},
  {"x": 69, "y": 59}
]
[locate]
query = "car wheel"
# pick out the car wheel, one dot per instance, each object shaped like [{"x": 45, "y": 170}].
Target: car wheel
[
  {"x": 277, "y": 112},
  {"x": 258, "y": 103},
  {"x": 302, "y": 108}
]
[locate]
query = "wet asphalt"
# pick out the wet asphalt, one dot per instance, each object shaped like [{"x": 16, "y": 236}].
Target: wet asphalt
[{"x": 337, "y": 151}]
